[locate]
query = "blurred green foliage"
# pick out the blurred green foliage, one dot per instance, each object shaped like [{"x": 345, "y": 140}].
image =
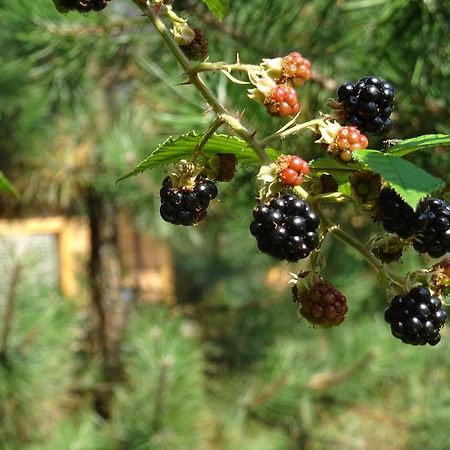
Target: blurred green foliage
[{"x": 233, "y": 367}]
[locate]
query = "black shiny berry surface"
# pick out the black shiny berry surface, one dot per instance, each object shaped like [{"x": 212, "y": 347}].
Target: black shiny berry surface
[
  {"x": 84, "y": 5},
  {"x": 416, "y": 317},
  {"x": 286, "y": 228},
  {"x": 434, "y": 239},
  {"x": 398, "y": 217},
  {"x": 182, "y": 206},
  {"x": 367, "y": 104}
]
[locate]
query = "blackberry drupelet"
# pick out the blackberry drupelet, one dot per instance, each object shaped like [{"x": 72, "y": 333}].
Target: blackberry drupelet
[
  {"x": 367, "y": 104},
  {"x": 184, "y": 206},
  {"x": 286, "y": 228},
  {"x": 398, "y": 217},
  {"x": 435, "y": 238},
  {"x": 416, "y": 317}
]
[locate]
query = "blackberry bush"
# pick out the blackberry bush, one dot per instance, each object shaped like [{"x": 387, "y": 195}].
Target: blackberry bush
[
  {"x": 416, "y": 317},
  {"x": 296, "y": 196}
]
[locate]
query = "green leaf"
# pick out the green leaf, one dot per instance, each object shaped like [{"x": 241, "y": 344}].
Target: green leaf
[
  {"x": 218, "y": 7},
  {"x": 330, "y": 165},
  {"x": 403, "y": 147},
  {"x": 174, "y": 149},
  {"x": 339, "y": 170},
  {"x": 5, "y": 185},
  {"x": 410, "y": 181}
]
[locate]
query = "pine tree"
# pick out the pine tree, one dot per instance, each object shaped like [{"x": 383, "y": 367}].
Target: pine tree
[{"x": 275, "y": 383}]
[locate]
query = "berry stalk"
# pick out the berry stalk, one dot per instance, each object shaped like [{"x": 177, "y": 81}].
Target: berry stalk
[
  {"x": 199, "y": 84},
  {"x": 222, "y": 66},
  {"x": 359, "y": 247},
  {"x": 283, "y": 133},
  {"x": 206, "y": 136}
]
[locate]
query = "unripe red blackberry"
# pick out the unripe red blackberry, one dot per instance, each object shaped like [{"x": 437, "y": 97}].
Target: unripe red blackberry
[
  {"x": 416, "y": 317},
  {"x": 296, "y": 69},
  {"x": 282, "y": 101},
  {"x": 323, "y": 304},
  {"x": 293, "y": 170},
  {"x": 347, "y": 140},
  {"x": 286, "y": 228},
  {"x": 367, "y": 104},
  {"x": 183, "y": 205}
]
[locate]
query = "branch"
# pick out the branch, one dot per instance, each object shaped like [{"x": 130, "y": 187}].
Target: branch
[
  {"x": 199, "y": 84},
  {"x": 284, "y": 133},
  {"x": 206, "y": 136},
  {"x": 337, "y": 231}
]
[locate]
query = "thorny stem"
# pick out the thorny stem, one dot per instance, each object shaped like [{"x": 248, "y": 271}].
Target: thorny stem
[
  {"x": 218, "y": 66},
  {"x": 206, "y": 136},
  {"x": 283, "y": 133},
  {"x": 359, "y": 247},
  {"x": 335, "y": 197},
  {"x": 198, "y": 83}
]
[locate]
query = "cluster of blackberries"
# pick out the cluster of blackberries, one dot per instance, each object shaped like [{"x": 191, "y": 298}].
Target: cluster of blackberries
[
  {"x": 416, "y": 317},
  {"x": 435, "y": 238},
  {"x": 286, "y": 228},
  {"x": 323, "y": 304},
  {"x": 367, "y": 104},
  {"x": 428, "y": 225},
  {"x": 398, "y": 217},
  {"x": 82, "y": 5},
  {"x": 186, "y": 206}
]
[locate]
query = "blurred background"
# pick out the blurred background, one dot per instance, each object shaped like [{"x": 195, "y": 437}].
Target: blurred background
[{"x": 121, "y": 332}]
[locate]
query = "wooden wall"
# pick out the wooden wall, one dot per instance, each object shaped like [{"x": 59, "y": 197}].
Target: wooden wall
[{"x": 146, "y": 262}]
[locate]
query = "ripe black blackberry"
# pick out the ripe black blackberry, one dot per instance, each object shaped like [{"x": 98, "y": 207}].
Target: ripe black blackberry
[
  {"x": 367, "y": 104},
  {"x": 398, "y": 217},
  {"x": 416, "y": 317},
  {"x": 286, "y": 228},
  {"x": 435, "y": 238},
  {"x": 81, "y": 5},
  {"x": 186, "y": 206}
]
